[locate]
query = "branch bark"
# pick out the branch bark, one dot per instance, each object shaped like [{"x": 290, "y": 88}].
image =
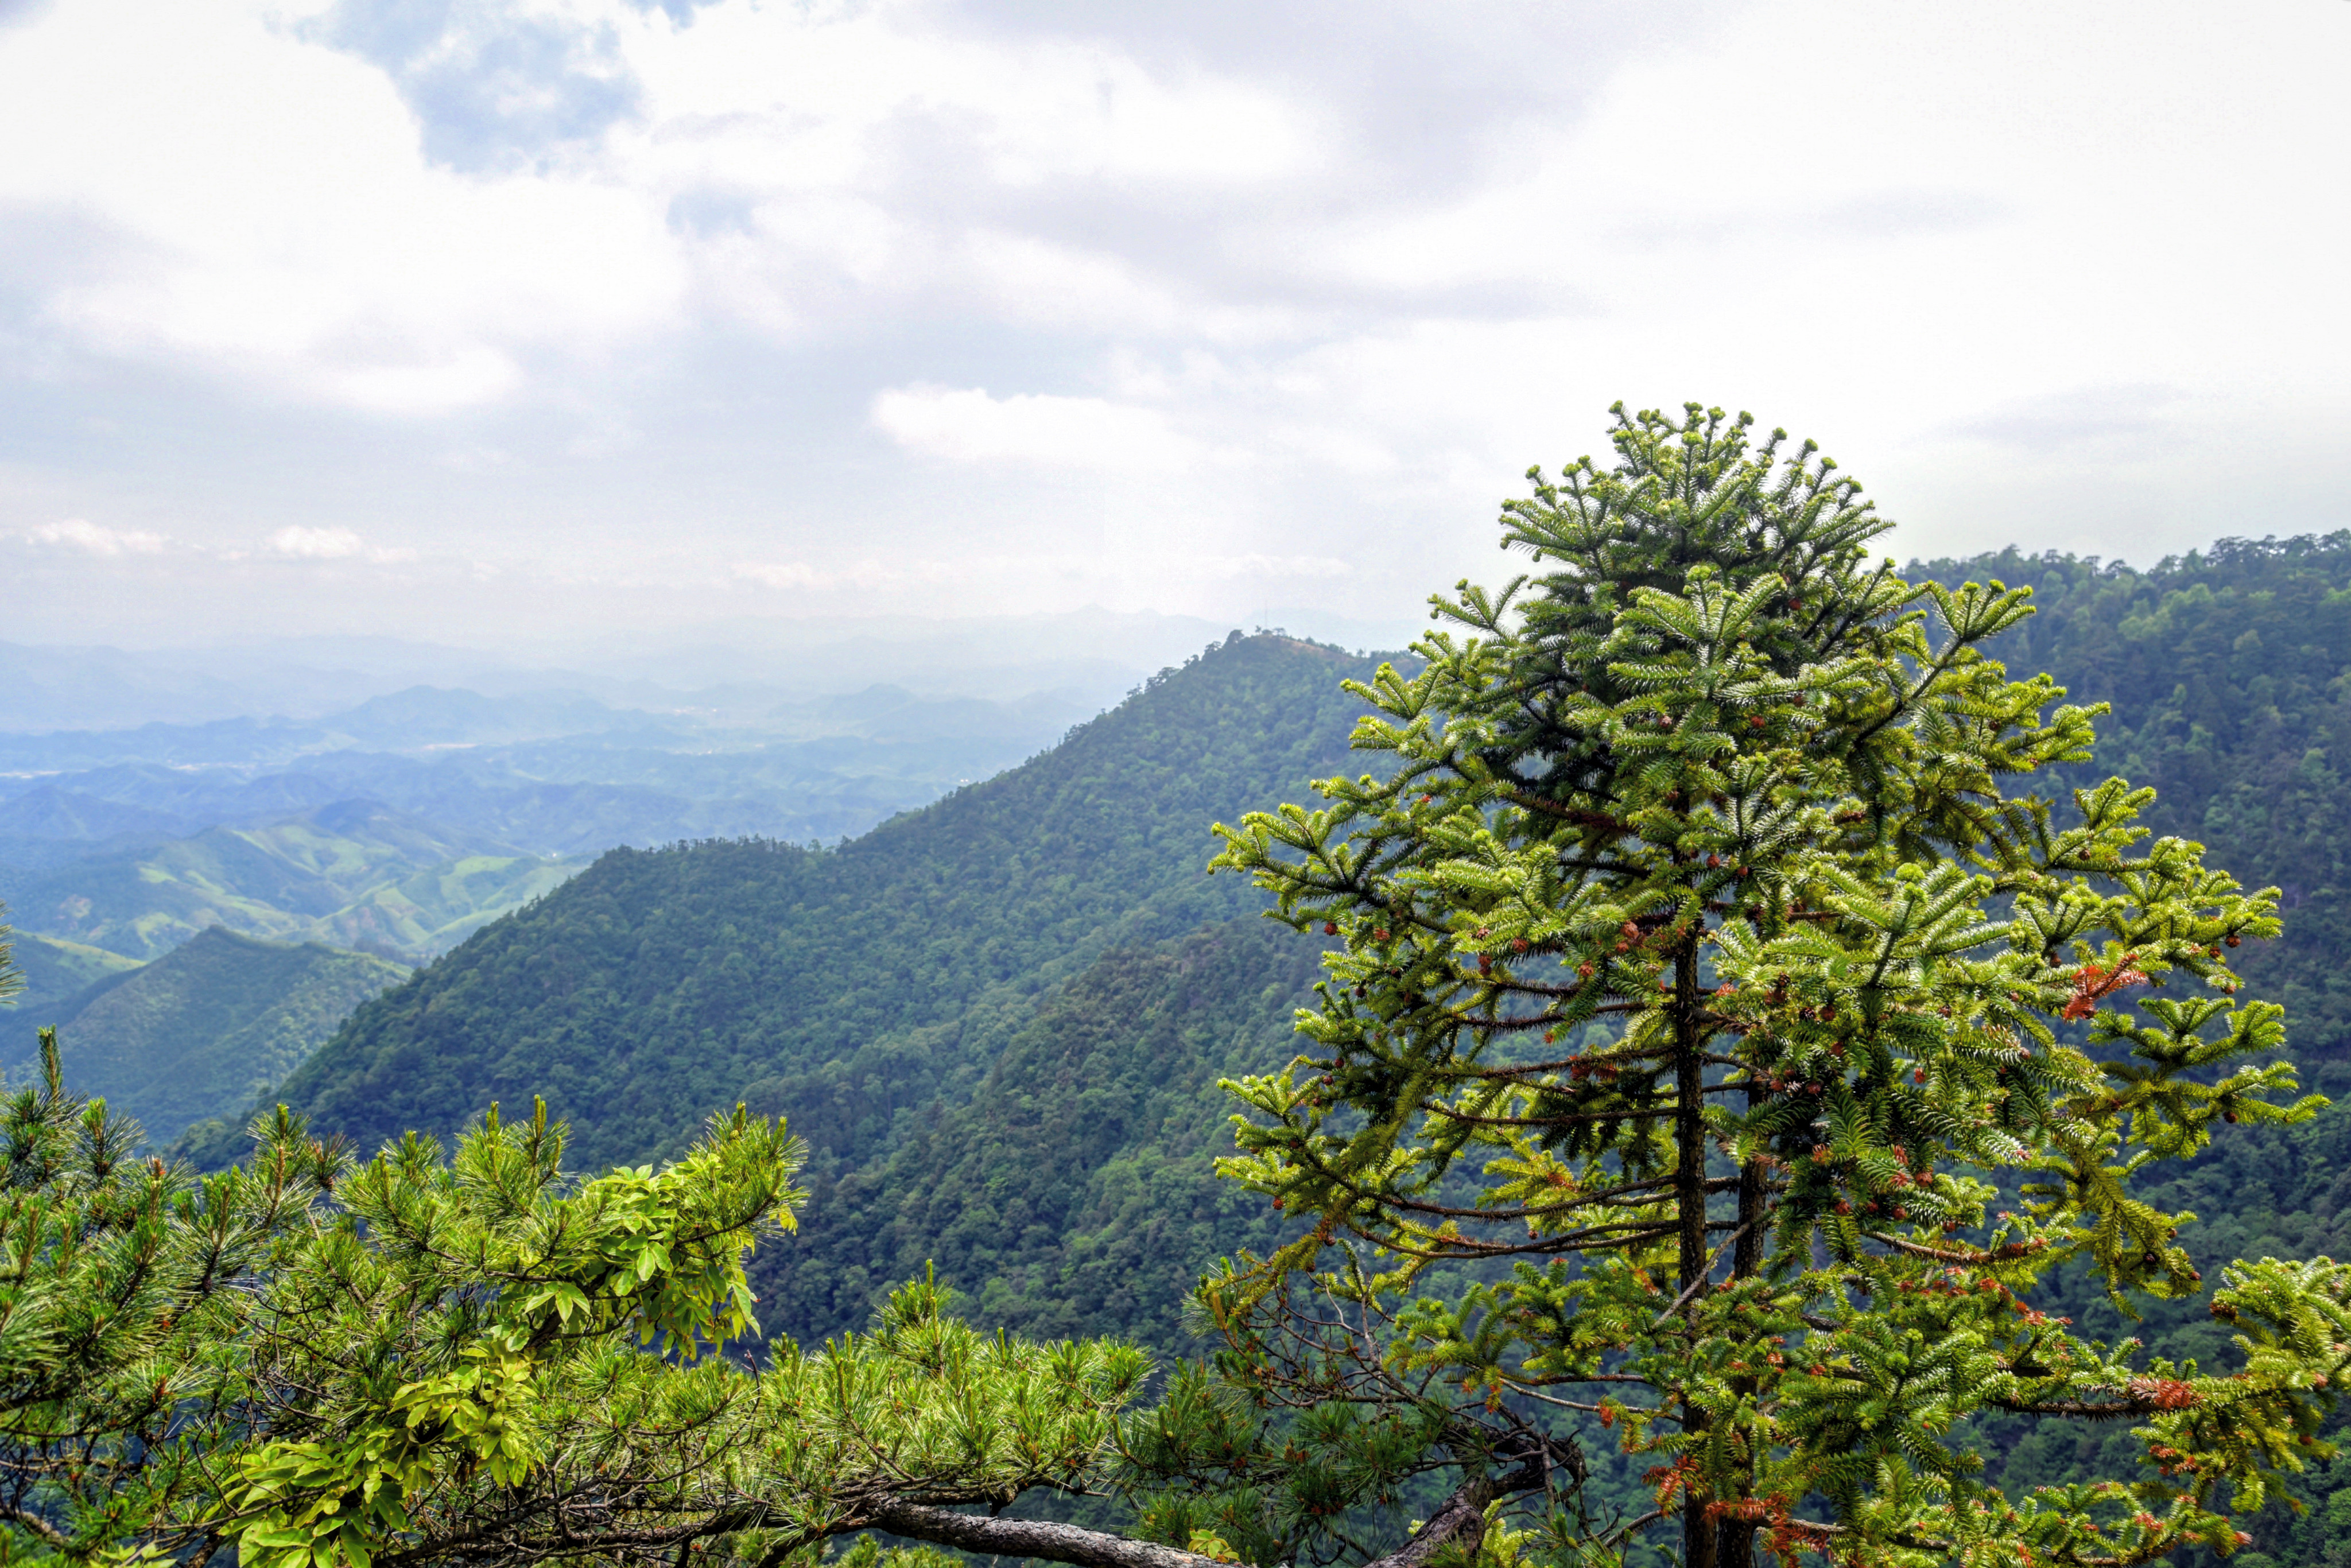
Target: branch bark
[
  {"x": 1460, "y": 1523},
  {"x": 976, "y": 1533}
]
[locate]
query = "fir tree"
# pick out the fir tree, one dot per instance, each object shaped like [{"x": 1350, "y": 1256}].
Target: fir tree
[{"x": 1723, "y": 1039}]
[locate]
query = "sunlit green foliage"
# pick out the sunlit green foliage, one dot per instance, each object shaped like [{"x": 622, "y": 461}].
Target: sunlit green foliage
[
  {"x": 121, "y": 1282},
  {"x": 325, "y": 1365},
  {"x": 485, "y": 1338}
]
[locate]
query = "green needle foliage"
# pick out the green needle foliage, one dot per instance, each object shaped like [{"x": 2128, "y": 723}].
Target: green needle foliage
[
  {"x": 119, "y": 1283},
  {"x": 476, "y": 1359},
  {"x": 1710, "y": 977},
  {"x": 319, "y": 1363},
  {"x": 458, "y": 1341}
]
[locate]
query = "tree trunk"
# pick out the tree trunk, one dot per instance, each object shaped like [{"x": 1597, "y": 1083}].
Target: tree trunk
[
  {"x": 1689, "y": 1195},
  {"x": 1734, "y": 1539}
]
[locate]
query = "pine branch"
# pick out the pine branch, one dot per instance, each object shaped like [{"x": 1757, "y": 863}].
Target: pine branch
[{"x": 1459, "y": 1524}]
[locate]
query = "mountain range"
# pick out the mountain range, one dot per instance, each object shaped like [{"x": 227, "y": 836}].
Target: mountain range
[
  {"x": 875, "y": 992},
  {"x": 851, "y": 984},
  {"x": 998, "y": 1018}
]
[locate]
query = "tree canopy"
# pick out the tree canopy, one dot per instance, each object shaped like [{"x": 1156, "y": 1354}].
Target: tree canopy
[
  {"x": 1735, "y": 1039},
  {"x": 328, "y": 1364}
]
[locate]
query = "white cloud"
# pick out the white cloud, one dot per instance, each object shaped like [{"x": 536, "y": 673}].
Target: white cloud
[
  {"x": 1031, "y": 429},
  {"x": 258, "y": 203},
  {"x": 251, "y": 200},
  {"x": 1328, "y": 289},
  {"x": 786, "y": 574},
  {"x": 316, "y": 544},
  {"x": 95, "y": 539},
  {"x": 801, "y": 575}
]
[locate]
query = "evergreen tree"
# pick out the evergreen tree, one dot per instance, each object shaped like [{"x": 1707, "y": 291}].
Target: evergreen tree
[{"x": 1723, "y": 1040}]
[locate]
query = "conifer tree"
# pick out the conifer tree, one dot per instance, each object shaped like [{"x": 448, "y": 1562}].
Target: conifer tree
[{"x": 1722, "y": 1039}]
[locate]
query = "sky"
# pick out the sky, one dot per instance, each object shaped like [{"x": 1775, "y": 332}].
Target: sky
[{"x": 507, "y": 323}]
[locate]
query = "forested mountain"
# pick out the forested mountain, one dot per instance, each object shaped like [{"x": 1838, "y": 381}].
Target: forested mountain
[
  {"x": 2230, "y": 675},
  {"x": 872, "y": 978},
  {"x": 1074, "y": 1191},
  {"x": 355, "y": 872},
  {"x": 201, "y": 1031}
]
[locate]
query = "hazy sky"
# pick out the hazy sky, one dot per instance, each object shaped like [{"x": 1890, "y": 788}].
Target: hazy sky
[{"x": 492, "y": 319}]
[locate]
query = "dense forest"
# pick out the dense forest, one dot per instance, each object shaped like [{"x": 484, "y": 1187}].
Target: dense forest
[
  {"x": 1074, "y": 1192},
  {"x": 201, "y": 1032}
]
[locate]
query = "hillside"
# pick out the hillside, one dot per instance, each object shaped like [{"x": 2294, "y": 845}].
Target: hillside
[
  {"x": 659, "y": 986},
  {"x": 999, "y": 1020},
  {"x": 1074, "y": 1192},
  {"x": 350, "y": 872},
  {"x": 2227, "y": 669},
  {"x": 201, "y": 1031},
  {"x": 55, "y": 969}
]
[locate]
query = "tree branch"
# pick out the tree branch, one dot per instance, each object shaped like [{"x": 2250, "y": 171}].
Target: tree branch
[
  {"x": 1461, "y": 1520},
  {"x": 1029, "y": 1538}
]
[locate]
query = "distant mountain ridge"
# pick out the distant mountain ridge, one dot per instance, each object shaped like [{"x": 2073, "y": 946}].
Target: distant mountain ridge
[
  {"x": 130, "y": 841},
  {"x": 352, "y": 872},
  {"x": 201, "y": 1031},
  {"x": 552, "y": 772},
  {"x": 1092, "y": 652},
  {"x": 54, "y": 970},
  {"x": 659, "y": 986},
  {"x": 48, "y": 812}
]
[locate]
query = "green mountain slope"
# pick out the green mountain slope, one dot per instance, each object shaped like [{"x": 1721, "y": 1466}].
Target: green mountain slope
[
  {"x": 55, "y": 969},
  {"x": 1075, "y": 1191},
  {"x": 660, "y": 984},
  {"x": 2229, "y": 673},
  {"x": 353, "y": 871},
  {"x": 202, "y": 1031},
  {"x": 917, "y": 1000}
]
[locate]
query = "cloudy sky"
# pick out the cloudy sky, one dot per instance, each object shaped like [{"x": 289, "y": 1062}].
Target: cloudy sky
[{"x": 491, "y": 321}]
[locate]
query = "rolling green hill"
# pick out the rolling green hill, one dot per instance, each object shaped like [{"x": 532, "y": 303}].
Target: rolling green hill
[
  {"x": 659, "y": 986},
  {"x": 351, "y": 873},
  {"x": 55, "y": 969},
  {"x": 201, "y": 1031}
]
